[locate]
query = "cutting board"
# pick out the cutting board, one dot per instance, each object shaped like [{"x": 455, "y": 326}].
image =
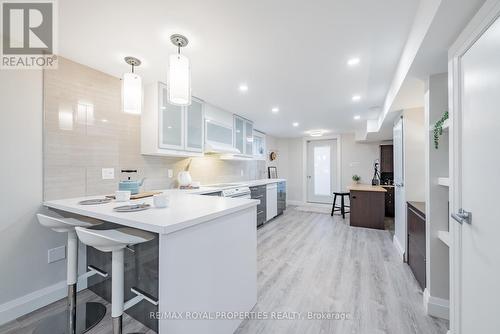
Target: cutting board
[{"x": 139, "y": 195}]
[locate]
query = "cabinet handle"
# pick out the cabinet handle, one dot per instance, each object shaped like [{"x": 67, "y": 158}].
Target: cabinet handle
[
  {"x": 258, "y": 196},
  {"x": 258, "y": 213},
  {"x": 353, "y": 197}
]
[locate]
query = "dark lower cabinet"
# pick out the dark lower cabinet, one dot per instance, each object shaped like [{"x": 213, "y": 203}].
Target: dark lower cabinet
[
  {"x": 389, "y": 202},
  {"x": 259, "y": 193},
  {"x": 416, "y": 240},
  {"x": 367, "y": 209},
  {"x": 281, "y": 197}
]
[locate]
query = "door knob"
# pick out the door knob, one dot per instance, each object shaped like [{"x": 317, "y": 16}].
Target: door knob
[{"x": 462, "y": 216}]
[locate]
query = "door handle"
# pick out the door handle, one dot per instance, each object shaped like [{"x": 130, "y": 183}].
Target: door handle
[{"x": 462, "y": 216}]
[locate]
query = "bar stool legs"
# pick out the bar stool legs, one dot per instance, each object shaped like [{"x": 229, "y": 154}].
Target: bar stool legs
[
  {"x": 342, "y": 206},
  {"x": 75, "y": 319},
  {"x": 115, "y": 241}
]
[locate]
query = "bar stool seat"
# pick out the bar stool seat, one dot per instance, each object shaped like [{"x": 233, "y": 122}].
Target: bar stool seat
[
  {"x": 342, "y": 206},
  {"x": 75, "y": 319},
  {"x": 115, "y": 241}
]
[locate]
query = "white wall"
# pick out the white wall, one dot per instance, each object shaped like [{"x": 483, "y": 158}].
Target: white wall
[
  {"x": 356, "y": 158},
  {"x": 23, "y": 242},
  {"x": 414, "y": 133},
  {"x": 289, "y": 164}
]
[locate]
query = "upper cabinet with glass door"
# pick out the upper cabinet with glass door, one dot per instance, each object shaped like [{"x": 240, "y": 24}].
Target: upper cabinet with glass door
[
  {"x": 259, "y": 145},
  {"x": 243, "y": 135},
  {"x": 170, "y": 130}
]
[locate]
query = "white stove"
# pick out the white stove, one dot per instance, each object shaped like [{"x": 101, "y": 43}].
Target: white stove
[{"x": 239, "y": 191}]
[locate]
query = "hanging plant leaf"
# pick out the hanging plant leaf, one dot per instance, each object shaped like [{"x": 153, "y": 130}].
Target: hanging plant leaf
[{"x": 438, "y": 129}]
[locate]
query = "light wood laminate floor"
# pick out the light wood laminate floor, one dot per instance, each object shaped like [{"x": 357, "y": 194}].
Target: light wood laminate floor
[{"x": 311, "y": 262}]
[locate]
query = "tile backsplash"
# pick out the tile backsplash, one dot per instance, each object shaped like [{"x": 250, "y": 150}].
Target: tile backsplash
[{"x": 85, "y": 131}]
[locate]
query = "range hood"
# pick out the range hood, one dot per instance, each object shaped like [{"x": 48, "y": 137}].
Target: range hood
[
  {"x": 212, "y": 147},
  {"x": 236, "y": 157}
]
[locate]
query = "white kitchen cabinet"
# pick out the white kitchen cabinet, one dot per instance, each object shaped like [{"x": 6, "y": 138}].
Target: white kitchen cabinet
[
  {"x": 170, "y": 130},
  {"x": 249, "y": 138},
  {"x": 271, "y": 201},
  {"x": 243, "y": 135},
  {"x": 194, "y": 126},
  {"x": 259, "y": 145}
]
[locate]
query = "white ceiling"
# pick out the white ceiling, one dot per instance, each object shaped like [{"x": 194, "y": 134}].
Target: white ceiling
[{"x": 290, "y": 53}]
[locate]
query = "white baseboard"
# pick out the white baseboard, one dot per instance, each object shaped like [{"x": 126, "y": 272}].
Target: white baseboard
[
  {"x": 399, "y": 248},
  {"x": 436, "y": 307},
  {"x": 298, "y": 203},
  {"x": 18, "y": 307}
]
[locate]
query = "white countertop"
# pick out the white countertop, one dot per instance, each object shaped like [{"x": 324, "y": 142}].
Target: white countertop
[
  {"x": 186, "y": 208},
  {"x": 206, "y": 189}
]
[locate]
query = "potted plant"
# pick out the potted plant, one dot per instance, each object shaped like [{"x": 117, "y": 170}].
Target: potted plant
[{"x": 356, "y": 178}]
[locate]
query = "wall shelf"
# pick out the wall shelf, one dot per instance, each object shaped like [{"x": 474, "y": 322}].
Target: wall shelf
[
  {"x": 444, "y": 181},
  {"x": 444, "y": 236}
]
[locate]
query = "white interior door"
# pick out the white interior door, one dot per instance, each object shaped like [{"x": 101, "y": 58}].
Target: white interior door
[
  {"x": 477, "y": 183},
  {"x": 399, "y": 191},
  {"x": 321, "y": 170}
]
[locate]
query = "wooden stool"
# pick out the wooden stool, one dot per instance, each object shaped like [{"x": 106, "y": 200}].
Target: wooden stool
[{"x": 342, "y": 206}]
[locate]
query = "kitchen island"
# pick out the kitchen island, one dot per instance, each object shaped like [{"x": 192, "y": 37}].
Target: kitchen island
[
  {"x": 367, "y": 206},
  {"x": 202, "y": 261}
]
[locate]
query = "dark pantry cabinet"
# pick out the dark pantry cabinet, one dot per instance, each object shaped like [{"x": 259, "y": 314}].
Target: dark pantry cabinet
[
  {"x": 416, "y": 240},
  {"x": 386, "y": 158}
]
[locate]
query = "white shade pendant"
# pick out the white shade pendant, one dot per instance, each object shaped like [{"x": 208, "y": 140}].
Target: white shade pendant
[
  {"x": 179, "y": 75},
  {"x": 132, "y": 89}
]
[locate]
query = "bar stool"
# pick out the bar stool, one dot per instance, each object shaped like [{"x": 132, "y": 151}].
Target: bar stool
[
  {"x": 115, "y": 241},
  {"x": 342, "y": 206},
  {"x": 75, "y": 319}
]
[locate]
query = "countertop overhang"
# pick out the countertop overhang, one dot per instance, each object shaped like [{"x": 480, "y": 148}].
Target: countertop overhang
[
  {"x": 186, "y": 208},
  {"x": 366, "y": 187}
]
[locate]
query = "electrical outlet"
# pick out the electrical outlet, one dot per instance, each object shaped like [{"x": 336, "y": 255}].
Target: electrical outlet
[
  {"x": 56, "y": 254},
  {"x": 170, "y": 173},
  {"x": 108, "y": 173}
]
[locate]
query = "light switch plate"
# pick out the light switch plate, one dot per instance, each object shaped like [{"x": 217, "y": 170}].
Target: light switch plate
[
  {"x": 108, "y": 173},
  {"x": 56, "y": 254},
  {"x": 170, "y": 173}
]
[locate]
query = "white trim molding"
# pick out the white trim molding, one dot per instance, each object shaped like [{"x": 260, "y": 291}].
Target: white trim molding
[
  {"x": 23, "y": 305},
  {"x": 338, "y": 138},
  {"x": 398, "y": 247},
  {"x": 436, "y": 307}
]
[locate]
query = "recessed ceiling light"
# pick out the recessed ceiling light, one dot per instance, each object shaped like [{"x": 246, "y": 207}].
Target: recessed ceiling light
[
  {"x": 295, "y": 124},
  {"x": 275, "y": 110},
  {"x": 316, "y": 133},
  {"x": 357, "y": 117},
  {"x": 356, "y": 98},
  {"x": 243, "y": 87},
  {"x": 353, "y": 61}
]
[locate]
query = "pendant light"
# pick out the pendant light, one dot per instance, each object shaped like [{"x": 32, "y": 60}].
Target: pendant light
[
  {"x": 179, "y": 74},
  {"x": 132, "y": 89}
]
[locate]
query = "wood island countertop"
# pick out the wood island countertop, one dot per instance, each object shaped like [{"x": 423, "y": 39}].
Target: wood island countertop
[{"x": 366, "y": 187}]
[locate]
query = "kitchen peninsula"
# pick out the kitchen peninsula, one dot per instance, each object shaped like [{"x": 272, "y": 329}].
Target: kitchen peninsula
[
  {"x": 203, "y": 258},
  {"x": 367, "y": 206}
]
